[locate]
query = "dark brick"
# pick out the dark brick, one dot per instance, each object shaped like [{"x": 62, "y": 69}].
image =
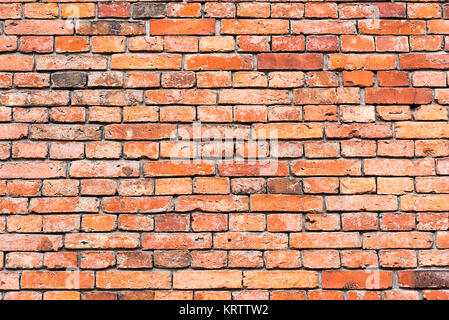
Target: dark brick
[{"x": 69, "y": 79}]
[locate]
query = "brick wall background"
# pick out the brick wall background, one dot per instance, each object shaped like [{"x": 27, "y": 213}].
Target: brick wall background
[{"x": 229, "y": 149}]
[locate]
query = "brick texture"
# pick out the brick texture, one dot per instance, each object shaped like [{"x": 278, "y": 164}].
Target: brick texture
[{"x": 200, "y": 149}]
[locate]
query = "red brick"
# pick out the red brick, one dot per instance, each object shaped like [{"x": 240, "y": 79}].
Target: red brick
[
  {"x": 176, "y": 241},
  {"x": 132, "y": 280},
  {"x": 398, "y": 96},
  {"x": 254, "y": 26},
  {"x": 289, "y": 61},
  {"x": 280, "y": 279},
  {"x": 315, "y": 240},
  {"x": 395, "y": 27}
]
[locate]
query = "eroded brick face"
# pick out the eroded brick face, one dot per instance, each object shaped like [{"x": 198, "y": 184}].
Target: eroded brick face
[{"x": 198, "y": 149}]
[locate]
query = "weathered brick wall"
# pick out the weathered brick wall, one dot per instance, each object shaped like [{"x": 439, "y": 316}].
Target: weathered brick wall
[{"x": 230, "y": 149}]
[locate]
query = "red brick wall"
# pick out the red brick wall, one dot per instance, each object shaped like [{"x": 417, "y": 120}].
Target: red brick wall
[{"x": 218, "y": 150}]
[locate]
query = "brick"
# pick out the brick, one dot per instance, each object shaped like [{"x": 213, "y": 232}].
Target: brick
[
  {"x": 285, "y": 259},
  {"x": 326, "y": 295},
  {"x": 287, "y": 43},
  {"x": 184, "y": 10},
  {"x": 219, "y": 10},
  {"x": 246, "y": 222},
  {"x": 245, "y": 259},
  {"x": 216, "y": 79},
  {"x": 142, "y": 204},
  {"x": 108, "y": 44},
  {"x": 416, "y": 61},
  {"x": 113, "y": 10},
  {"x": 393, "y": 78},
  {"x": 253, "y": 150},
  {"x": 321, "y": 167},
  {"x": 280, "y": 279},
  {"x": 288, "y": 131},
  {"x": 356, "y": 62},
  {"x": 323, "y": 27},
  {"x": 377, "y": 130},
  {"x": 351, "y": 43},
  {"x": 398, "y": 259},
  {"x": 77, "y": 62},
  {"x": 10, "y": 10},
  {"x": 322, "y": 43},
  {"x": 209, "y": 259},
  {"x": 207, "y": 279},
  {"x": 102, "y": 241},
  {"x": 431, "y": 112},
  {"x": 423, "y": 202},
  {"x": 16, "y": 63},
  {"x": 172, "y": 259},
  {"x": 316, "y": 240},
  {"x": 361, "y": 202},
  {"x": 320, "y": 185},
  {"x": 392, "y": 44},
  {"x": 397, "y": 221},
  {"x": 18, "y": 242},
  {"x": 293, "y": 203},
  {"x": 254, "y": 26},
  {"x": 41, "y": 10},
  {"x": 145, "y": 61},
  {"x": 289, "y": 61},
  {"x": 135, "y": 222},
  {"x": 212, "y": 203},
  {"x": 398, "y": 96},
  {"x": 321, "y": 10},
  {"x": 321, "y": 259},
  {"x": 182, "y": 27},
  {"x": 358, "y": 259},
  {"x": 109, "y": 28},
  {"x": 359, "y": 221},
  {"x": 181, "y": 44},
  {"x": 24, "y": 260},
  {"x": 397, "y": 240},
  {"x": 30, "y": 44},
  {"x": 134, "y": 260},
  {"x": 212, "y": 62},
  {"x": 63, "y": 223},
  {"x": 399, "y": 167},
  {"x": 132, "y": 280},
  {"x": 176, "y": 241},
  {"x": 23, "y": 295},
  {"x": 10, "y": 280},
  {"x": 426, "y": 43},
  {"x": 173, "y": 186},
  {"x": 396, "y": 27},
  {"x": 168, "y": 168},
  {"x": 144, "y": 43},
  {"x": 357, "y": 279},
  {"x": 326, "y": 96},
  {"x": 423, "y": 279},
  {"x": 77, "y": 10},
  {"x": 36, "y": 27}
]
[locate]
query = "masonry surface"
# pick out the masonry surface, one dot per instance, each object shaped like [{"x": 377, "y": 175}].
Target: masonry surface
[{"x": 224, "y": 150}]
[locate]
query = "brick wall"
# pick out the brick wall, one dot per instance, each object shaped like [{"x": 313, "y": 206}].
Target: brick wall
[{"x": 217, "y": 150}]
